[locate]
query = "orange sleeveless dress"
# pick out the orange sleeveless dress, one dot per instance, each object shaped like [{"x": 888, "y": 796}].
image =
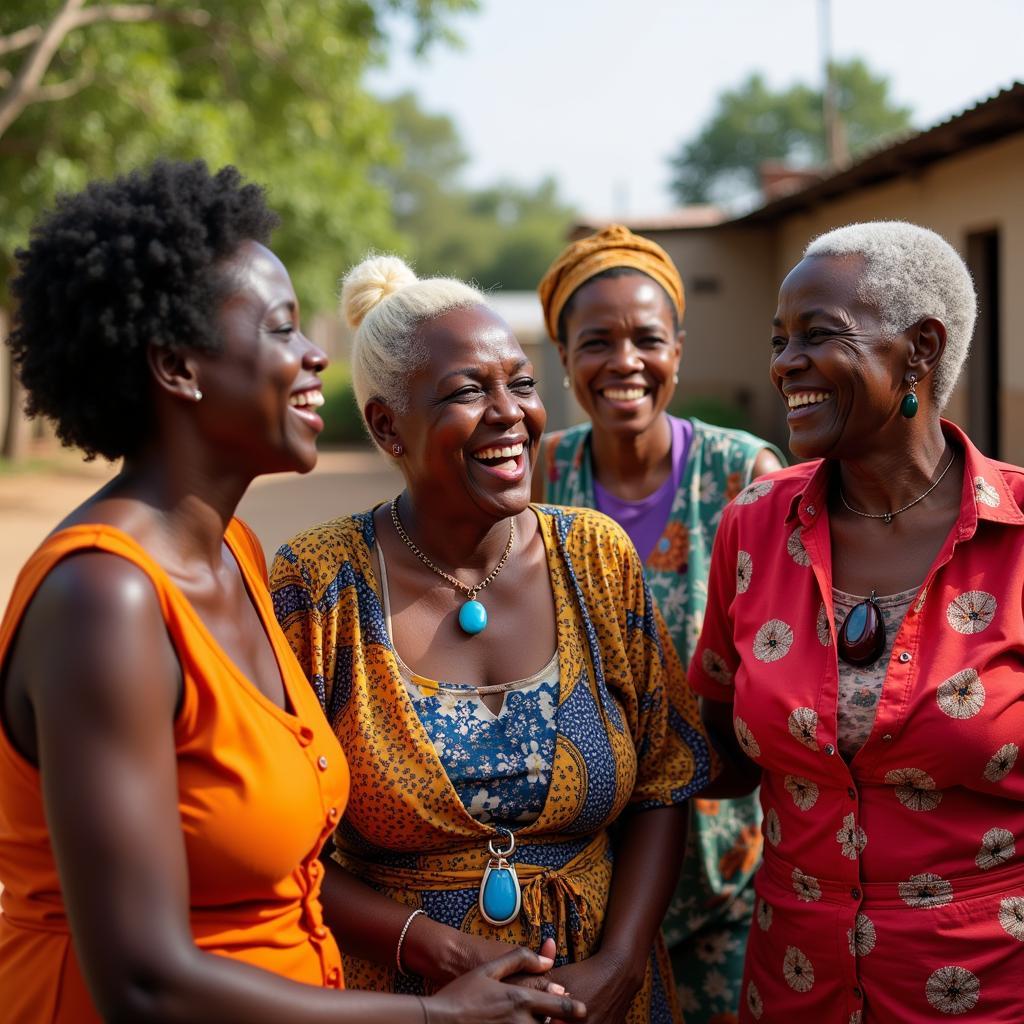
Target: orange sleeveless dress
[{"x": 259, "y": 791}]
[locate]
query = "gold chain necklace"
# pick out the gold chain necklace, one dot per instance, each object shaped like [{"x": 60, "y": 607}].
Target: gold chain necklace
[{"x": 472, "y": 615}]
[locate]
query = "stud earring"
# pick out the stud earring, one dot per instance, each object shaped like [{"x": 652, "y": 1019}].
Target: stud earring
[
  {"x": 566, "y": 383},
  {"x": 675, "y": 378},
  {"x": 908, "y": 407},
  {"x": 197, "y": 395},
  {"x": 396, "y": 449}
]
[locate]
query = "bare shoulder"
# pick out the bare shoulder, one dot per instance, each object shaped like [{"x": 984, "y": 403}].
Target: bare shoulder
[
  {"x": 101, "y": 614},
  {"x": 766, "y": 462}
]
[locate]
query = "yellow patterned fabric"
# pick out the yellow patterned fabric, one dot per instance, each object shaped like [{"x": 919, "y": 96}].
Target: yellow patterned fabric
[{"x": 629, "y": 735}]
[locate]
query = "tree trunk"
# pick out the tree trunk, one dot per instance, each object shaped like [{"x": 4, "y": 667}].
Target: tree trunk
[{"x": 16, "y": 424}]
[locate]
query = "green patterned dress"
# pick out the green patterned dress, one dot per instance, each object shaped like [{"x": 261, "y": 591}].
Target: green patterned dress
[{"x": 709, "y": 917}]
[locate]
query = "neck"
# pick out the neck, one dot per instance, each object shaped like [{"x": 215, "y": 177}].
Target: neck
[
  {"x": 625, "y": 464},
  {"x": 192, "y": 505},
  {"x": 891, "y": 476},
  {"x": 453, "y": 544}
]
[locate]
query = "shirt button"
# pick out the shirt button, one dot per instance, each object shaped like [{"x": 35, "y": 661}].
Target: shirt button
[
  {"x": 887, "y": 738},
  {"x": 905, "y": 657},
  {"x": 332, "y": 814},
  {"x": 811, "y": 510},
  {"x": 851, "y": 793},
  {"x": 829, "y": 749},
  {"x": 333, "y": 976},
  {"x": 314, "y": 869},
  {"x": 305, "y": 736},
  {"x": 320, "y": 932},
  {"x": 321, "y": 763},
  {"x": 855, "y": 894}
]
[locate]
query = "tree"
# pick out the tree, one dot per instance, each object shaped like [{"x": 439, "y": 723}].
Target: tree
[
  {"x": 273, "y": 86},
  {"x": 753, "y": 124},
  {"x": 502, "y": 236}
]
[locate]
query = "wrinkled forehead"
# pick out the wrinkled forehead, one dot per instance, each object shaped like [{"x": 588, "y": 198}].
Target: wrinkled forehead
[
  {"x": 626, "y": 290},
  {"x": 474, "y": 338}
]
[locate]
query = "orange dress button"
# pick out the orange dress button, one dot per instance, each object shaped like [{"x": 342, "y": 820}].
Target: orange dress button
[
  {"x": 305, "y": 736},
  {"x": 321, "y": 763},
  {"x": 320, "y": 932},
  {"x": 332, "y": 814},
  {"x": 314, "y": 869},
  {"x": 333, "y": 976}
]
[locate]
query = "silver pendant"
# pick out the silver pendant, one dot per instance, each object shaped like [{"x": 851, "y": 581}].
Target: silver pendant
[{"x": 500, "y": 897}]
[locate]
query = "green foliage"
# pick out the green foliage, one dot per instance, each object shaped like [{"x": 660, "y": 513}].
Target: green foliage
[
  {"x": 753, "y": 124},
  {"x": 343, "y": 423},
  {"x": 503, "y": 236},
  {"x": 273, "y": 86}
]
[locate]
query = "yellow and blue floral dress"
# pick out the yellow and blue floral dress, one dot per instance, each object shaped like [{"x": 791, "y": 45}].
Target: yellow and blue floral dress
[
  {"x": 627, "y": 735},
  {"x": 709, "y": 918}
]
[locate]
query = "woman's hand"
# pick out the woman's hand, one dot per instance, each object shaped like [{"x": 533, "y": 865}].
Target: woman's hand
[
  {"x": 603, "y": 983},
  {"x": 483, "y": 996}
]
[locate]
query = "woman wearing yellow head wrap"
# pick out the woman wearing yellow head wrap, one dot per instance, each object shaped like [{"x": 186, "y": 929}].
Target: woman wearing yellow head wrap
[{"x": 613, "y": 303}]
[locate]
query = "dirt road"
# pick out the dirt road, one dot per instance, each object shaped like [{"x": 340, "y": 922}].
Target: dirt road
[{"x": 32, "y": 503}]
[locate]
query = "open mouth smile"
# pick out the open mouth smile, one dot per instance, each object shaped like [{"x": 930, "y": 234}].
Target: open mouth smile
[
  {"x": 505, "y": 461},
  {"x": 625, "y": 393},
  {"x": 305, "y": 403},
  {"x": 799, "y": 401}
]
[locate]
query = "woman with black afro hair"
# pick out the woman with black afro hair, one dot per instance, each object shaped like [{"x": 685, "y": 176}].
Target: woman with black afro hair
[{"x": 167, "y": 778}]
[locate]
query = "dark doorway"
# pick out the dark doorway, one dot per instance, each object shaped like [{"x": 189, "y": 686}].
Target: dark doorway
[{"x": 983, "y": 391}]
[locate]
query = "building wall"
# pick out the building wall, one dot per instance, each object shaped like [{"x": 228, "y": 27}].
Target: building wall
[
  {"x": 978, "y": 191},
  {"x": 729, "y": 276}
]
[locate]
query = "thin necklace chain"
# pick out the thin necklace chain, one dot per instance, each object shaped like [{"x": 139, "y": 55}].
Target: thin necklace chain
[
  {"x": 888, "y": 516},
  {"x": 470, "y": 592}
]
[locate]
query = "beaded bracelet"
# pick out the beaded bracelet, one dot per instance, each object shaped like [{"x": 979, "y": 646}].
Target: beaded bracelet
[{"x": 401, "y": 939}]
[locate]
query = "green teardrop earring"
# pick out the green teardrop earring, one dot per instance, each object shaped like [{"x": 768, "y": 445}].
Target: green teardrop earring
[{"x": 908, "y": 407}]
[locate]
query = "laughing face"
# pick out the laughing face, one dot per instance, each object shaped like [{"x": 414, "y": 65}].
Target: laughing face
[
  {"x": 262, "y": 387},
  {"x": 621, "y": 351},
  {"x": 840, "y": 377},
  {"x": 474, "y": 417}
]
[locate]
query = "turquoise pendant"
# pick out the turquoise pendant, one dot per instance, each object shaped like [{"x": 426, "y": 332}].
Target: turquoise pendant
[
  {"x": 500, "y": 896},
  {"x": 473, "y": 617}
]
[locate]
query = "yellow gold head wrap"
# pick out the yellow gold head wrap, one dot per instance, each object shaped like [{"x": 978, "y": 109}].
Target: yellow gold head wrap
[{"x": 615, "y": 246}]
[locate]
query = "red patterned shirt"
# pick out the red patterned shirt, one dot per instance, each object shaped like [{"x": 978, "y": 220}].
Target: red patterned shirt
[{"x": 893, "y": 885}]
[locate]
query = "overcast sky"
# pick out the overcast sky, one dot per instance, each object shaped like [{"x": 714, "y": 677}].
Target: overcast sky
[{"x": 598, "y": 93}]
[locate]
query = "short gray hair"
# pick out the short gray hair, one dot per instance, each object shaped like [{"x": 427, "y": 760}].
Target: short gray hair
[
  {"x": 911, "y": 273},
  {"x": 386, "y": 302}
]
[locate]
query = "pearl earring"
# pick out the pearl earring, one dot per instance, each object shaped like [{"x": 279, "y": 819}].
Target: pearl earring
[
  {"x": 197, "y": 395},
  {"x": 566, "y": 383}
]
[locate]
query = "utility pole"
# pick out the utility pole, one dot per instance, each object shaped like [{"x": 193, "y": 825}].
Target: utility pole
[{"x": 836, "y": 153}]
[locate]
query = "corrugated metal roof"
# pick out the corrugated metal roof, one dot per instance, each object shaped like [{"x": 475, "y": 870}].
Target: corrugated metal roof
[
  {"x": 986, "y": 122},
  {"x": 696, "y": 216}
]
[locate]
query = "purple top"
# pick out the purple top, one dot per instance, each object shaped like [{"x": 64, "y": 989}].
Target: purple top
[{"x": 645, "y": 520}]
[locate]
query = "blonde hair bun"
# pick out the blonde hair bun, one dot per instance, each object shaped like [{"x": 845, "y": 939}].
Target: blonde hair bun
[{"x": 369, "y": 283}]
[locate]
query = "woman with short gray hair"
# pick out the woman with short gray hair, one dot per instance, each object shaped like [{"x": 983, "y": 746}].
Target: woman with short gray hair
[{"x": 863, "y": 655}]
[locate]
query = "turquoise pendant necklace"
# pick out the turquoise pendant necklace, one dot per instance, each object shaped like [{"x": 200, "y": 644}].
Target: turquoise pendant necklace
[
  {"x": 472, "y": 615},
  {"x": 500, "y": 896}
]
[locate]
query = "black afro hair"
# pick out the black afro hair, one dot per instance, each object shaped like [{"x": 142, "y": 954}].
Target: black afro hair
[{"x": 113, "y": 269}]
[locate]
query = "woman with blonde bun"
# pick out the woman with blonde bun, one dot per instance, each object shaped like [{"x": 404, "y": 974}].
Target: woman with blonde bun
[{"x": 503, "y": 687}]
